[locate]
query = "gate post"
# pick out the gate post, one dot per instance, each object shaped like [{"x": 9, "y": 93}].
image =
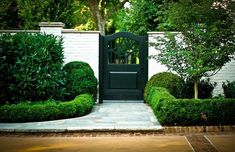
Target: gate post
[
  {"x": 54, "y": 28},
  {"x": 100, "y": 90}
]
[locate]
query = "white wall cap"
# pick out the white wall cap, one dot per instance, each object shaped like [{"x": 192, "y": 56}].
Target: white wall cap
[
  {"x": 161, "y": 32},
  {"x": 51, "y": 24},
  {"x": 76, "y": 31}
]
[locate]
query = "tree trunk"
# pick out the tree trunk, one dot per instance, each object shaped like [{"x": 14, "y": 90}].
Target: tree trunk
[
  {"x": 101, "y": 25},
  {"x": 102, "y": 10},
  {"x": 196, "y": 89}
]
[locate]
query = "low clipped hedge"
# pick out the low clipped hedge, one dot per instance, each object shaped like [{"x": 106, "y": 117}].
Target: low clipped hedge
[
  {"x": 47, "y": 110},
  {"x": 171, "y": 111}
]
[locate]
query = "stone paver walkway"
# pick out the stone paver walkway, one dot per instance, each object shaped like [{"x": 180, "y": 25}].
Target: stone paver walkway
[{"x": 106, "y": 116}]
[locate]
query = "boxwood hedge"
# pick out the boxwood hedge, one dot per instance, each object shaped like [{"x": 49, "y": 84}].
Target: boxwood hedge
[
  {"x": 171, "y": 111},
  {"x": 47, "y": 110}
]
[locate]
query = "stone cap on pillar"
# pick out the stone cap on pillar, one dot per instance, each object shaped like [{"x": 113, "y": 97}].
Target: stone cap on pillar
[{"x": 51, "y": 24}]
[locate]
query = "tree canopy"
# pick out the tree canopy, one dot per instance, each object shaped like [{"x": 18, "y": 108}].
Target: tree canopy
[
  {"x": 144, "y": 16},
  {"x": 206, "y": 40},
  {"x": 33, "y": 12},
  {"x": 102, "y": 10}
]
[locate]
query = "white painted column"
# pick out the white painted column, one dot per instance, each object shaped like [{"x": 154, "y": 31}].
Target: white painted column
[{"x": 54, "y": 28}]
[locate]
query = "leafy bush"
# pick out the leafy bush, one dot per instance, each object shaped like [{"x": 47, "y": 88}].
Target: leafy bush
[
  {"x": 205, "y": 88},
  {"x": 158, "y": 94},
  {"x": 172, "y": 82},
  {"x": 32, "y": 67},
  {"x": 48, "y": 110},
  {"x": 80, "y": 79},
  {"x": 170, "y": 111},
  {"x": 229, "y": 89}
]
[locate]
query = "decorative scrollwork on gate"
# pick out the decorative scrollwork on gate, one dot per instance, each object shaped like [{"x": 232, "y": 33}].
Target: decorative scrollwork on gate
[{"x": 123, "y": 50}]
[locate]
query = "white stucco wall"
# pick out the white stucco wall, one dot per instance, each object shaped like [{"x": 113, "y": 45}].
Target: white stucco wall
[
  {"x": 53, "y": 28},
  {"x": 82, "y": 46},
  {"x": 78, "y": 46},
  {"x": 226, "y": 73},
  {"x": 153, "y": 66}
]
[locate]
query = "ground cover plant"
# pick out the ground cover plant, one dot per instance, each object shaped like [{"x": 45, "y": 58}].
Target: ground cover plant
[
  {"x": 46, "y": 110},
  {"x": 171, "y": 111}
]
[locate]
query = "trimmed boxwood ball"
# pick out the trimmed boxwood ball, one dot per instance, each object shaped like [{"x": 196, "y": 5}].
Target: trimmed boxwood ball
[
  {"x": 172, "y": 82},
  {"x": 80, "y": 79}
]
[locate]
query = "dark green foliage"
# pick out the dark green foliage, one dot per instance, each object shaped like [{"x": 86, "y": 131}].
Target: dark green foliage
[
  {"x": 170, "y": 111},
  {"x": 145, "y": 16},
  {"x": 47, "y": 110},
  {"x": 9, "y": 15},
  {"x": 33, "y": 12},
  {"x": 80, "y": 79},
  {"x": 31, "y": 67},
  {"x": 26, "y": 14},
  {"x": 172, "y": 82},
  {"x": 229, "y": 89},
  {"x": 205, "y": 88},
  {"x": 205, "y": 41}
]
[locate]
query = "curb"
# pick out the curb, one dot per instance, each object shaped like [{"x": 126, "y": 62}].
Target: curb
[
  {"x": 179, "y": 130},
  {"x": 198, "y": 129},
  {"x": 161, "y": 130}
]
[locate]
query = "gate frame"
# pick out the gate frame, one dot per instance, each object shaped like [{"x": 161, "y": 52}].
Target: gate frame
[{"x": 101, "y": 60}]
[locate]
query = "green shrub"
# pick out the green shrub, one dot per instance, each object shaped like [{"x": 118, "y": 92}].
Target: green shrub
[
  {"x": 80, "y": 79},
  {"x": 32, "y": 67},
  {"x": 47, "y": 110},
  {"x": 205, "y": 88},
  {"x": 172, "y": 82},
  {"x": 158, "y": 94},
  {"x": 170, "y": 111},
  {"x": 229, "y": 89}
]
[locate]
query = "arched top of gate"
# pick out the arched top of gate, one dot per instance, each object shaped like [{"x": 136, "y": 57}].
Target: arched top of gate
[{"x": 125, "y": 35}]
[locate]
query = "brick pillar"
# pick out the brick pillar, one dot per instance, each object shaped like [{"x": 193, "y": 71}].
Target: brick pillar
[{"x": 54, "y": 28}]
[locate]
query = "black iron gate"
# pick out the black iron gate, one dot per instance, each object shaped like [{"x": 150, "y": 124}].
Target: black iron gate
[{"x": 123, "y": 66}]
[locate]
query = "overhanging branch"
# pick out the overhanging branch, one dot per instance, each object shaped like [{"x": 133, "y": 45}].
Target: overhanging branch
[{"x": 114, "y": 8}]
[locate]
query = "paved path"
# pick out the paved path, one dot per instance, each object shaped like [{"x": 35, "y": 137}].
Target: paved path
[
  {"x": 106, "y": 116},
  {"x": 118, "y": 143}
]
